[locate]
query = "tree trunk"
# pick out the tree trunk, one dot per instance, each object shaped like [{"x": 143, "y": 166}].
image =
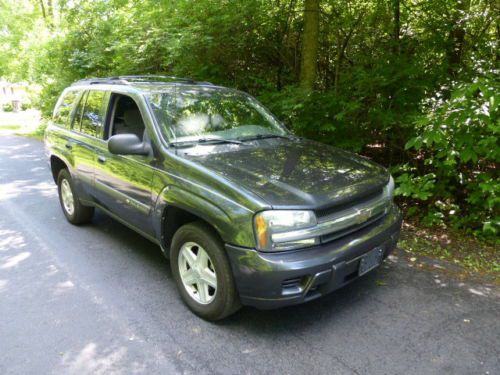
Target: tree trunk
[
  {"x": 338, "y": 63},
  {"x": 388, "y": 139},
  {"x": 310, "y": 44},
  {"x": 49, "y": 8},
  {"x": 43, "y": 10},
  {"x": 47, "y": 13},
  {"x": 342, "y": 49},
  {"x": 397, "y": 24},
  {"x": 456, "y": 38},
  {"x": 282, "y": 36}
]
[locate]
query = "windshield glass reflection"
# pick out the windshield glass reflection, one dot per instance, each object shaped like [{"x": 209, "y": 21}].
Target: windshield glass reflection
[{"x": 201, "y": 113}]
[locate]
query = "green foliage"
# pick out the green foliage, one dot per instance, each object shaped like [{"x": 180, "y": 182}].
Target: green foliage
[
  {"x": 7, "y": 107},
  {"x": 379, "y": 87},
  {"x": 457, "y": 150},
  {"x": 25, "y": 106},
  {"x": 416, "y": 187},
  {"x": 324, "y": 116}
]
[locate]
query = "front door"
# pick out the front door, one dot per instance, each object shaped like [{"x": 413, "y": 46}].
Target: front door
[{"x": 123, "y": 182}]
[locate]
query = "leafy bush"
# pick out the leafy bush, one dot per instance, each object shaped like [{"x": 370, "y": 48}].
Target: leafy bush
[
  {"x": 7, "y": 107},
  {"x": 456, "y": 152},
  {"x": 25, "y": 106}
]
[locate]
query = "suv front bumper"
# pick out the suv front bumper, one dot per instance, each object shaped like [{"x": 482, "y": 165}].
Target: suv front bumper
[{"x": 272, "y": 280}]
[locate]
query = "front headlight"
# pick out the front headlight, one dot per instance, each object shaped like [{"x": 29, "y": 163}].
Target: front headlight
[{"x": 269, "y": 223}]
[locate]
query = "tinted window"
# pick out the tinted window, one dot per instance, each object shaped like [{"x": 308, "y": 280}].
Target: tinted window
[
  {"x": 92, "y": 119},
  {"x": 63, "y": 111}
]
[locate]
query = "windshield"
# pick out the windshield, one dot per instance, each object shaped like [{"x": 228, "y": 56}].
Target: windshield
[{"x": 201, "y": 113}]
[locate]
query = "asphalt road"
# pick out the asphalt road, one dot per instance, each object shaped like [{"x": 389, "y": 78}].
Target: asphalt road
[{"x": 100, "y": 299}]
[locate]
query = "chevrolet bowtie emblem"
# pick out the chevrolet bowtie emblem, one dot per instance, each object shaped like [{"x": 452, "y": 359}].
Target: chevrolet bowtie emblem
[{"x": 363, "y": 215}]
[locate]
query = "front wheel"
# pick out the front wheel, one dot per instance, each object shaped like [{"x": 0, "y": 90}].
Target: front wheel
[
  {"x": 75, "y": 212},
  {"x": 202, "y": 272}
]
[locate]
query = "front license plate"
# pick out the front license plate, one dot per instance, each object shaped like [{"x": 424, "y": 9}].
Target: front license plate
[{"x": 370, "y": 260}]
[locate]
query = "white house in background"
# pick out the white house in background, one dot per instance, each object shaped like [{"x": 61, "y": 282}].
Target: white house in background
[{"x": 12, "y": 93}]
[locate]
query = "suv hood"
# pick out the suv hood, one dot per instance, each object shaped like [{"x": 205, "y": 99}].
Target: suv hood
[{"x": 295, "y": 173}]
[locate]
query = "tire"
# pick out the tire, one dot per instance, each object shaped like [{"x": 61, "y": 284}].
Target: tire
[
  {"x": 79, "y": 214},
  {"x": 219, "y": 302}
]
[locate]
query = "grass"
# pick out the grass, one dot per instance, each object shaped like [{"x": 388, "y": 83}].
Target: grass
[
  {"x": 10, "y": 127},
  {"x": 35, "y": 134},
  {"x": 26, "y": 124},
  {"x": 469, "y": 254}
]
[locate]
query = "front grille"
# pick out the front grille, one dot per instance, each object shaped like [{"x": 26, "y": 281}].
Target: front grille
[
  {"x": 336, "y": 235},
  {"x": 351, "y": 217},
  {"x": 323, "y": 213}
]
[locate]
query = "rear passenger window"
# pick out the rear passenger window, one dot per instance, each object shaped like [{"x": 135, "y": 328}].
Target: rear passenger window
[
  {"x": 93, "y": 113},
  {"x": 63, "y": 112}
]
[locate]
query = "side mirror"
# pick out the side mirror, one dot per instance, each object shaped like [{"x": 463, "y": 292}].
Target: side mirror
[{"x": 128, "y": 144}]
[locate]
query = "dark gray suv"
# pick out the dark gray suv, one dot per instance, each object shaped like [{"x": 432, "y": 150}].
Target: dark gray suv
[{"x": 246, "y": 212}]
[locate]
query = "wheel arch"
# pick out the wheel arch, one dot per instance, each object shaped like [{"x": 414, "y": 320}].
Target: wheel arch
[
  {"x": 56, "y": 165},
  {"x": 232, "y": 221},
  {"x": 174, "y": 217},
  {"x": 176, "y": 206}
]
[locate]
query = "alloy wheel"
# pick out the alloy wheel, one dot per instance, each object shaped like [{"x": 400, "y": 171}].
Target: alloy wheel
[
  {"x": 67, "y": 197},
  {"x": 197, "y": 273}
]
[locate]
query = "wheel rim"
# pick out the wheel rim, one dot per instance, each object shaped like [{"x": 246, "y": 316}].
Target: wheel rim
[
  {"x": 67, "y": 197},
  {"x": 197, "y": 273}
]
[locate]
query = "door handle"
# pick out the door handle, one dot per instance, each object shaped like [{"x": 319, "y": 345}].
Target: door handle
[
  {"x": 101, "y": 159},
  {"x": 69, "y": 145}
]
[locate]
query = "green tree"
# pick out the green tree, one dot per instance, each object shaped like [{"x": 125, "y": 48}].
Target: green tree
[
  {"x": 365, "y": 75},
  {"x": 310, "y": 44}
]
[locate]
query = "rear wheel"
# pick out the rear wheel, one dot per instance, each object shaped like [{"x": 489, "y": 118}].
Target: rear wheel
[
  {"x": 75, "y": 212},
  {"x": 202, "y": 272}
]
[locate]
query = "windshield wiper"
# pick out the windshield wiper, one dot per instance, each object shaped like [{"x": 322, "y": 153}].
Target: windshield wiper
[
  {"x": 263, "y": 136},
  {"x": 211, "y": 140}
]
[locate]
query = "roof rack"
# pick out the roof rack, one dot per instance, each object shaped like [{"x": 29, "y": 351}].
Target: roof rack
[{"x": 126, "y": 80}]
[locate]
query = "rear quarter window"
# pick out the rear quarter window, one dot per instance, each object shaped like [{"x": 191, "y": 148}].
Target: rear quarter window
[{"x": 62, "y": 113}]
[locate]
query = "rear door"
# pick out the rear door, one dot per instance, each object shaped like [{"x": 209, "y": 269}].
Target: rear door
[
  {"x": 86, "y": 138},
  {"x": 58, "y": 137}
]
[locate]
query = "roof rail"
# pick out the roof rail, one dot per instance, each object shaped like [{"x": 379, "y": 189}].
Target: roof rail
[
  {"x": 93, "y": 81},
  {"x": 126, "y": 80}
]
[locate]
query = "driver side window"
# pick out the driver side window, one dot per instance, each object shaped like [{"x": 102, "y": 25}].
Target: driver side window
[{"x": 125, "y": 118}]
